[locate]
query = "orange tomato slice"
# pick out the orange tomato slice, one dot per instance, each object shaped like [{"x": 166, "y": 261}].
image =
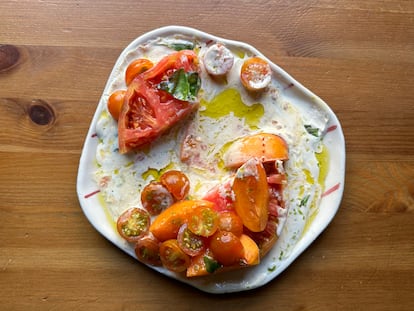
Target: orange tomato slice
[
  {"x": 168, "y": 223},
  {"x": 264, "y": 146},
  {"x": 251, "y": 195}
]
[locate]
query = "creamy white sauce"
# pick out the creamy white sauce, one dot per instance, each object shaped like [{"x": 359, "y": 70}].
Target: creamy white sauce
[{"x": 122, "y": 177}]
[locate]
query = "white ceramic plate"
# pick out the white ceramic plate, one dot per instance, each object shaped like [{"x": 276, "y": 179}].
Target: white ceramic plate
[{"x": 270, "y": 266}]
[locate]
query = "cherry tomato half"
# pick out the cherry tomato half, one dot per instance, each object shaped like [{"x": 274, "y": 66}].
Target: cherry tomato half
[
  {"x": 255, "y": 74},
  {"x": 136, "y": 67},
  {"x": 177, "y": 183},
  {"x": 203, "y": 221},
  {"x": 155, "y": 198},
  {"x": 226, "y": 248},
  {"x": 115, "y": 102},
  {"x": 230, "y": 221},
  {"x": 133, "y": 224},
  {"x": 147, "y": 250},
  {"x": 172, "y": 256},
  {"x": 189, "y": 242}
]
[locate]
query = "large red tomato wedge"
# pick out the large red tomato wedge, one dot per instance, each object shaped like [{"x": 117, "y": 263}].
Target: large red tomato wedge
[{"x": 149, "y": 111}]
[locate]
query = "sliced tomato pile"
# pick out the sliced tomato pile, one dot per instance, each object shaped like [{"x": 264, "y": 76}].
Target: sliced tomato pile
[{"x": 233, "y": 226}]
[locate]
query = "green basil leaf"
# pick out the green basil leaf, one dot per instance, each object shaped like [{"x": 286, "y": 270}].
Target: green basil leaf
[
  {"x": 312, "y": 130},
  {"x": 181, "y": 45},
  {"x": 211, "y": 264},
  {"x": 182, "y": 85}
]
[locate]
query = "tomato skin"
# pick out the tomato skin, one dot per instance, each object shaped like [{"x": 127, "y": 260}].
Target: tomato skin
[
  {"x": 172, "y": 256},
  {"x": 115, "y": 102},
  {"x": 133, "y": 224},
  {"x": 147, "y": 250},
  {"x": 155, "y": 198},
  {"x": 137, "y": 67},
  {"x": 230, "y": 221},
  {"x": 190, "y": 243},
  {"x": 177, "y": 183},
  {"x": 226, "y": 248},
  {"x": 255, "y": 74}
]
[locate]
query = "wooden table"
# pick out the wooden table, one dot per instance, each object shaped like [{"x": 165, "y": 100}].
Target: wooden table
[{"x": 55, "y": 58}]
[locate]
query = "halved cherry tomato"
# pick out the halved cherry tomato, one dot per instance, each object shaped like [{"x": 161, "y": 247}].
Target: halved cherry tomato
[
  {"x": 226, "y": 248},
  {"x": 177, "y": 183},
  {"x": 167, "y": 224},
  {"x": 172, "y": 256},
  {"x": 230, "y": 221},
  {"x": 189, "y": 242},
  {"x": 148, "y": 111},
  {"x": 255, "y": 74},
  {"x": 115, "y": 102},
  {"x": 133, "y": 224},
  {"x": 251, "y": 195},
  {"x": 203, "y": 221},
  {"x": 155, "y": 198},
  {"x": 136, "y": 67},
  {"x": 147, "y": 250}
]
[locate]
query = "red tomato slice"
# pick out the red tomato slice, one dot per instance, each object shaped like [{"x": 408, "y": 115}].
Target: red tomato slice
[{"x": 147, "y": 111}]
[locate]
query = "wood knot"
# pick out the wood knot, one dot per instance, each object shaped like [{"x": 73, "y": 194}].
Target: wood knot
[
  {"x": 9, "y": 57},
  {"x": 40, "y": 112}
]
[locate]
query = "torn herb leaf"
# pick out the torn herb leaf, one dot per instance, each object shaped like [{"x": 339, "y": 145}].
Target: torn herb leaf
[
  {"x": 182, "y": 85},
  {"x": 304, "y": 201},
  {"x": 312, "y": 130},
  {"x": 180, "y": 45},
  {"x": 211, "y": 264}
]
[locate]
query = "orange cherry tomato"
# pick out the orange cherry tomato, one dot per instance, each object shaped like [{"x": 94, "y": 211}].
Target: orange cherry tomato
[
  {"x": 203, "y": 221},
  {"x": 155, "y": 198},
  {"x": 136, "y": 67},
  {"x": 115, "y": 102},
  {"x": 226, "y": 248},
  {"x": 177, "y": 183},
  {"x": 172, "y": 256},
  {"x": 255, "y": 74},
  {"x": 147, "y": 250},
  {"x": 189, "y": 242},
  {"x": 230, "y": 221},
  {"x": 251, "y": 194},
  {"x": 133, "y": 224}
]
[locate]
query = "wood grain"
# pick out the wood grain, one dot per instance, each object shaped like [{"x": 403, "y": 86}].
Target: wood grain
[{"x": 55, "y": 58}]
